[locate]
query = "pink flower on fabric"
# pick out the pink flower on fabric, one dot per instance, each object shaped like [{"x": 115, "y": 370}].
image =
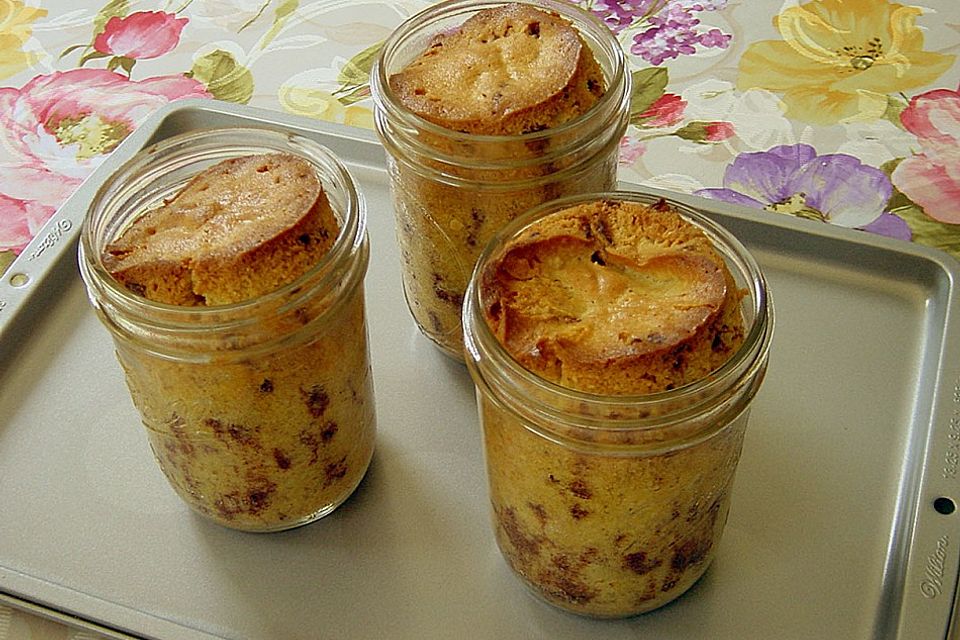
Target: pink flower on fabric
[
  {"x": 19, "y": 222},
  {"x": 931, "y": 178},
  {"x": 666, "y": 111},
  {"x": 718, "y": 131},
  {"x": 141, "y": 35},
  {"x": 57, "y": 128},
  {"x": 704, "y": 132},
  {"x": 630, "y": 150}
]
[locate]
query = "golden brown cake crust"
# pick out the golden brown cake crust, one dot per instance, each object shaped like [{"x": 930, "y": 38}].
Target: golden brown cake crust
[
  {"x": 614, "y": 297},
  {"x": 506, "y": 71},
  {"x": 239, "y": 229}
]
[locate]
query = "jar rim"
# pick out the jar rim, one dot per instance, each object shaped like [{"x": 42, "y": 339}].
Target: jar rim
[
  {"x": 385, "y": 101},
  {"x": 747, "y": 362},
  {"x": 210, "y": 146}
]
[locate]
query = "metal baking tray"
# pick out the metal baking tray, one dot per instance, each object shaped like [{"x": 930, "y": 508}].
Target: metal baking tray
[{"x": 844, "y": 521}]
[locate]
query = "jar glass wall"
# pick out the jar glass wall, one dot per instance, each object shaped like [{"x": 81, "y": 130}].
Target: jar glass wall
[
  {"x": 613, "y": 505},
  {"x": 452, "y": 190},
  {"x": 260, "y": 413}
]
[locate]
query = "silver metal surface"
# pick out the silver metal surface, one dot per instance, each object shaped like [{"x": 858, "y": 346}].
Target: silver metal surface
[{"x": 834, "y": 532}]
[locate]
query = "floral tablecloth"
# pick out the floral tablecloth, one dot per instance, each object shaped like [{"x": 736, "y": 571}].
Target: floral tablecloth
[{"x": 845, "y": 112}]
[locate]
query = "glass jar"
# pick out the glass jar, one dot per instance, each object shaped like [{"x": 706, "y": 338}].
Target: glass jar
[
  {"x": 452, "y": 191},
  {"x": 260, "y": 413},
  {"x": 613, "y": 505}
]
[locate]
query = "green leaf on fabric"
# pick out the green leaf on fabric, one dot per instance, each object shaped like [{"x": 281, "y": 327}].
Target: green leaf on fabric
[
  {"x": 890, "y": 165},
  {"x": 113, "y": 9},
  {"x": 280, "y": 16},
  {"x": 351, "y": 95},
  {"x": 695, "y": 131},
  {"x": 925, "y": 229},
  {"x": 123, "y": 62},
  {"x": 894, "y": 109},
  {"x": 357, "y": 70},
  {"x": 71, "y": 49},
  {"x": 648, "y": 87},
  {"x": 703, "y": 132},
  {"x": 224, "y": 77},
  {"x": 6, "y": 259},
  {"x": 354, "y": 78},
  {"x": 255, "y": 17},
  {"x": 91, "y": 55},
  {"x": 127, "y": 64}
]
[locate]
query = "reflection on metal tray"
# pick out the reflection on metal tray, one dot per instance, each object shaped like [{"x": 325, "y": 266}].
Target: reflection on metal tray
[{"x": 843, "y": 525}]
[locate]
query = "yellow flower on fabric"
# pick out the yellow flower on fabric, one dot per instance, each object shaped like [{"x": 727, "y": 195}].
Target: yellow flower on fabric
[
  {"x": 840, "y": 59},
  {"x": 16, "y": 21},
  {"x": 322, "y": 105}
]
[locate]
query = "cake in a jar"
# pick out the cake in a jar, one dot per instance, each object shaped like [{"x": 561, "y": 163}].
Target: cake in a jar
[
  {"x": 242, "y": 228},
  {"x": 262, "y": 436},
  {"x": 614, "y": 298},
  {"x": 505, "y": 73},
  {"x": 508, "y": 70}
]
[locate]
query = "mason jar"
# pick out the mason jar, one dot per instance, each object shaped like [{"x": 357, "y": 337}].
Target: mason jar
[
  {"x": 260, "y": 413},
  {"x": 452, "y": 191},
  {"x": 613, "y": 505}
]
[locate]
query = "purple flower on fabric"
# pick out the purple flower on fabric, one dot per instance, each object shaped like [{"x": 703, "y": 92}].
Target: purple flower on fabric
[
  {"x": 715, "y": 38},
  {"x": 890, "y": 225},
  {"x": 620, "y": 15},
  {"x": 793, "y": 179},
  {"x": 669, "y": 28}
]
